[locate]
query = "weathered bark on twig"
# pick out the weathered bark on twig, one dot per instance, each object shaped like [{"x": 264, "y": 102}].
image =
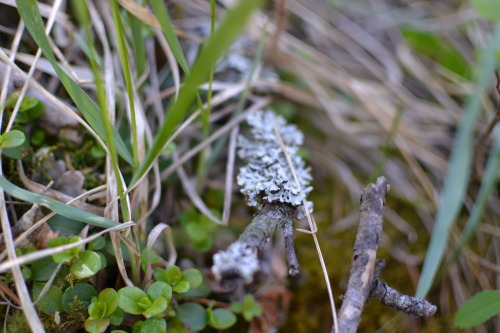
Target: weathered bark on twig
[
  {"x": 401, "y": 302},
  {"x": 363, "y": 279},
  {"x": 240, "y": 260},
  {"x": 365, "y": 253},
  {"x": 394, "y": 299}
]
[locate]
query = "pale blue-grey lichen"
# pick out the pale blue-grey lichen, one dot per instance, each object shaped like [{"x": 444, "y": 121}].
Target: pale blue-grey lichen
[
  {"x": 267, "y": 178},
  {"x": 238, "y": 260}
]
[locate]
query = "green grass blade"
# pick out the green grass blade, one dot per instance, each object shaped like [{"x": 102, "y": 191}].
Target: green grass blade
[
  {"x": 219, "y": 145},
  {"x": 138, "y": 45},
  {"x": 478, "y": 309},
  {"x": 456, "y": 180},
  {"x": 167, "y": 27},
  {"x": 230, "y": 27},
  {"x": 205, "y": 112},
  {"x": 30, "y": 14},
  {"x": 487, "y": 185},
  {"x": 127, "y": 74},
  {"x": 56, "y": 206}
]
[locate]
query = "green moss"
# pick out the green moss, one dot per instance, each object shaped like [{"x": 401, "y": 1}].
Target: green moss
[{"x": 16, "y": 322}]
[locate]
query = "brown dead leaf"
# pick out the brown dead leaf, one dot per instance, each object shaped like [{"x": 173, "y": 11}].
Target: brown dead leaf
[{"x": 275, "y": 303}]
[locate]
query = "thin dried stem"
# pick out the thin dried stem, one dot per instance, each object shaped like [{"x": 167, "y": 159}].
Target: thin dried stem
[{"x": 313, "y": 230}]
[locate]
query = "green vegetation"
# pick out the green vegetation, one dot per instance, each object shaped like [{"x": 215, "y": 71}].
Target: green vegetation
[{"x": 118, "y": 159}]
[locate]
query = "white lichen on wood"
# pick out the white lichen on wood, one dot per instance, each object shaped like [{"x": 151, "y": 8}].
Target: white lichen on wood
[
  {"x": 267, "y": 178},
  {"x": 239, "y": 259},
  {"x": 268, "y": 182}
]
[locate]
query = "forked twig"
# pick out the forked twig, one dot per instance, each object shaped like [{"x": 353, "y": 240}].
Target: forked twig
[{"x": 363, "y": 279}]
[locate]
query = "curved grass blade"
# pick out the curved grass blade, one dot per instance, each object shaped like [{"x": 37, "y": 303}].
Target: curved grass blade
[
  {"x": 56, "y": 206},
  {"x": 455, "y": 184},
  {"x": 230, "y": 27},
  {"x": 28, "y": 9},
  {"x": 160, "y": 11}
]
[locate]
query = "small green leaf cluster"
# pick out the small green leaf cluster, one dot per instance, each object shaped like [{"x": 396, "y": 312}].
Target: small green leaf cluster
[
  {"x": 167, "y": 300},
  {"x": 196, "y": 317},
  {"x": 199, "y": 229},
  {"x": 14, "y": 140},
  {"x": 104, "y": 311},
  {"x": 156, "y": 304},
  {"x": 82, "y": 264},
  {"x": 248, "y": 308},
  {"x": 67, "y": 294},
  {"x": 181, "y": 282}
]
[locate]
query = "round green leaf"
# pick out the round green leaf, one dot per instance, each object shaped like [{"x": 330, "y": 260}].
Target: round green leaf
[
  {"x": 97, "y": 244},
  {"x": 42, "y": 269},
  {"x": 154, "y": 325},
  {"x": 104, "y": 261},
  {"x": 129, "y": 298},
  {"x": 110, "y": 297},
  {"x": 237, "y": 307},
  {"x": 26, "y": 273},
  {"x": 37, "y": 137},
  {"x": 97, "y": 310},
  {"x": 193, "y": 276},
  {"x": 116, "y": 318},
  {"x": 137, "y": 326},
  {"x": 88, "y": 264},
  {"x": 193, "y": 315},
  {"x": 51, "y": 301},
  {"x": 162, "y": 289},
  {"x": 181, "y": 287},
  {"x": 96, "y": 325},
  {"x": 145, "y": 302},
  {"x": 174, "y": 274},
  {"x": 12, "y": 139},
  {"x": 160, "y": 275},
  {"x": 490, "y": 9},
  {"x": 97, "y": 152},
  {"x": 159, "y": 305},
  {"x": 78, "y": 296},
  {"x": 221, "y": 318},
  {"x": 66, "y": 255},
  {"x": 31, "y": 108}
]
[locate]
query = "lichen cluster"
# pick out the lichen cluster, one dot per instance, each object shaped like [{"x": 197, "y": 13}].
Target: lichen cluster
[
  {"x": 267, "y": 178},
  {"x": 239, "y": 259}
]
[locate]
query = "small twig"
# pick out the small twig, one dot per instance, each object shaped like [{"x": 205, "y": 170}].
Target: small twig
[
  {"x": 293, "y": 263},
  {"x": 363, "y": 279},
  {"x": 401, "y": 302},
  {"x": 394, "y": 299},
  {"x": 208, "y": 302},
  {"x": 6, "y": 290},
  {"x": 365, "y": 252},
  {"x": 240, "y": 260}
]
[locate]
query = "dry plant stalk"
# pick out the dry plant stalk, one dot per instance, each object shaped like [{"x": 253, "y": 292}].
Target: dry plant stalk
[{"x": 363, "y": 279}]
